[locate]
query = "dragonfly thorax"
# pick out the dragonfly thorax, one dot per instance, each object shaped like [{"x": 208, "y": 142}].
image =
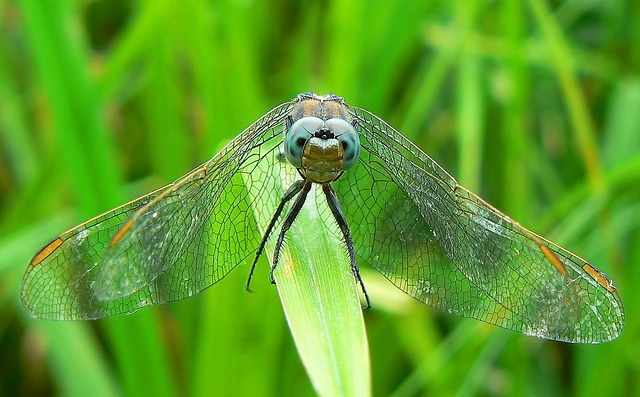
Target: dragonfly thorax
[{"x": 322, "y": 149}]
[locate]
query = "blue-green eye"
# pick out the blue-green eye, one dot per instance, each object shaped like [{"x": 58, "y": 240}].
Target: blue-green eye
[
  {"x": 348, "y": 137},
  {"x": 297, "y": 137}
]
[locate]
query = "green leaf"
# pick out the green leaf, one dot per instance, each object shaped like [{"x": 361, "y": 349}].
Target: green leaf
[
  {"x": 319, "y": 294},
  {"x": 320, "y": 298}
]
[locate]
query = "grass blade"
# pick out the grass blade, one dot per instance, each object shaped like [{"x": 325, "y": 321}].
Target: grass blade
[{"x": 319, "y": 295}]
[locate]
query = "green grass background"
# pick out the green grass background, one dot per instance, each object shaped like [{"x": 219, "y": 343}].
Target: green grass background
[{"x": 535, "y": 105}]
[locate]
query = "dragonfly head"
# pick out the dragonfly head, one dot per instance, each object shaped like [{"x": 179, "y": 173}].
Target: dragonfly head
[{"x": 322, "y": 149}]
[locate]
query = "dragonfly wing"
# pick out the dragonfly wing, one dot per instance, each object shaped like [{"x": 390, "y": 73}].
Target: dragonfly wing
[
  {"x": 165, "y": 246},
  {"x": 448, "y": 248}
]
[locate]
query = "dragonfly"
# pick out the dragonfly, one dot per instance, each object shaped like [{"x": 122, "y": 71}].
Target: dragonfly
[{"x": 397, "y": 210}]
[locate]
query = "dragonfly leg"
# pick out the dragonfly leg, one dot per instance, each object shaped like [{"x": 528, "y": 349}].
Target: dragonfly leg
[
  {"x": 291, "y": 217},
  {"x": 334, "y": 205},
  {"x": 288, "y": 195}
]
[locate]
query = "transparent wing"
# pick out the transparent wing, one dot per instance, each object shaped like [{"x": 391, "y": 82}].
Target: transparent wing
[
  {"x": 165, "y": 246},
  {"x": 448, "y": 248}
]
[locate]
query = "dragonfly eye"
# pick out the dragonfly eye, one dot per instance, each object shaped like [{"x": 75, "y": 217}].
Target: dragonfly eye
[
  {"x": 348, "y": 137},
  {"x": 297, "y": 137}
]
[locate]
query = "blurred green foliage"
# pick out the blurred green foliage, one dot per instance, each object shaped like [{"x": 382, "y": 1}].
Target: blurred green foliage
[{"x": 535, "y": 105}]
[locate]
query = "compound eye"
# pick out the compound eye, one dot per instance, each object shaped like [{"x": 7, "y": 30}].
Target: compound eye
[
  {"x": 348, "y": 137},
  {"x": 297, "y": 138}
]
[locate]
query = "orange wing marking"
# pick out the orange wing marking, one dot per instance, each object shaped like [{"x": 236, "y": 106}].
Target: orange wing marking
[
  {"x": 46, "y": 251},
  {"x": 123, "y": 230},
  {"x": 553, "y": 258},
  {"x": 600, "y": 277}
]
